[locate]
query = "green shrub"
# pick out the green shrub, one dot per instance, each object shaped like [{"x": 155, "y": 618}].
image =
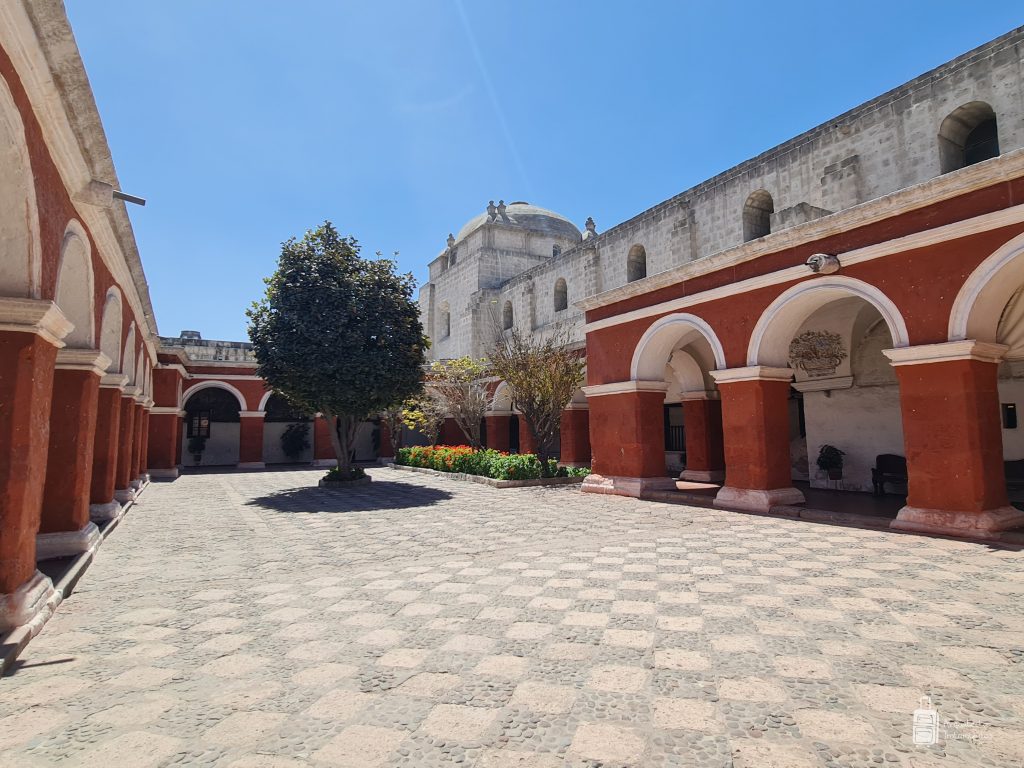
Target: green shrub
[
  {"x": 353, "y": 473},
  {"x": 486, "y": 463},
  {"x": 295, "y": 439}
]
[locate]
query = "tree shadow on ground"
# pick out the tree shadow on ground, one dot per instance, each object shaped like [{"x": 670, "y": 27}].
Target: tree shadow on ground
[{"x": 361, "y": 498}]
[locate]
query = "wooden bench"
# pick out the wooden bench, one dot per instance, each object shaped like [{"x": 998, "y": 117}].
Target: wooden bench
[{"x": 889, "y": 468}]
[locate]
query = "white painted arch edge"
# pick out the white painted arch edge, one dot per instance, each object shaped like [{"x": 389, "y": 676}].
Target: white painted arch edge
[
  {"x": 795, "y": 298},
  {"x": 214, "y": 384},
  {"x": 965, "y": 321},
  {"x": 686, "y": 321}
]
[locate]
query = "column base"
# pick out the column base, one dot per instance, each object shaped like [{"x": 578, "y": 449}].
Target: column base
[
  {"x": 164, "y": 474},
  {"x": 136, "y": 484},
  {"x": 751, "y": 500},
  {"x": 325, "y": 462},
  {"x": 626, "y": 486},
  {"x": 30, "y": 605},
  {"x": 703, "y": 475},
  {"x": 982, "y": 525},
  {"x": 124, "y": 495},
  {"x": 67, "y": 543},
  {"x": 252, "y": 465},
  {"x": 104, "y": 513}
]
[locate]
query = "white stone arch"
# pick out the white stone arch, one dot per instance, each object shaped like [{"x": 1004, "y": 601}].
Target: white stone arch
[
  {"x": 263, "y": 400},
  {"x": 687, "y": 372},
  {"x": 213, "y": 384},
  {"x": 110, "y": 328},
  {"x": 770, "y": 340},
  {"x": 75, "y": 292},
  {"x": 502, "y": 400},
  {"x": 128, "y": 357},
  {"x": 656, "y": 345},
  {"x": 21, "y": 254},
  {"x": 139, "y": 379},
  {"x": 986, "y": 292}
]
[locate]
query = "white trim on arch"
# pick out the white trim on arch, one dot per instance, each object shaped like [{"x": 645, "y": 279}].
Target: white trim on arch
[
  {"x": 211, "y": 384},
  {"x": 503, "y": 395},
  {"x": 796, "y": 303},
  {"x": 23, "y": 260},
  {"x": 660, "y": 339},
  {"x": 975, "y": 316},
  {"x": 264, "y": 399}
]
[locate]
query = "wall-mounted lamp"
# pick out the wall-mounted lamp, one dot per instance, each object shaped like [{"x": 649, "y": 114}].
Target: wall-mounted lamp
[
  {"x": 129, "y": 198},
  {"x": 823, "y": 263}
]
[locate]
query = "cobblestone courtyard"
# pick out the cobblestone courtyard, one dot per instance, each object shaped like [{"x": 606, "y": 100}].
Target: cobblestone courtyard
[{"x": 250, "y": 620}]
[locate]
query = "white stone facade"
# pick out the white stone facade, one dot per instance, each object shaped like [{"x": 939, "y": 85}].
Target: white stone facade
[{"x": 902, "y": 138}]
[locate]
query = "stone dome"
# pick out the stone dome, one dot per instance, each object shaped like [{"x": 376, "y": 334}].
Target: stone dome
[{"x": 529, "y": 217}]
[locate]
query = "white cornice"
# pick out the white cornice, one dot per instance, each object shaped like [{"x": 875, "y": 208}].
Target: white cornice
[
  {"x": 114, "y": 381},
  {"x": 946, "y": 352},
  {"x": 624, "y": 387},
  {"x": 37, "y": 316},
  {"x": 51, "y": 70},
  {"x": 225, "y": 376},
  {"x": 799, "y": 235},
  {"x": 91, "y": 360},
  {"x": 174, "y": 367},
  {"x": 165, "y": 410},
  {"x": 751, "y": 373}
]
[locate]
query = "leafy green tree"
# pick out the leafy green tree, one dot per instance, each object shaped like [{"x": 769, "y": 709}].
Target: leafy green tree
[
  {"x": 425, "y": 414},
  {"x": 338, "y": 334},
  {"x": 543, "y": 377},
  {"x": 458, "y": 385}
]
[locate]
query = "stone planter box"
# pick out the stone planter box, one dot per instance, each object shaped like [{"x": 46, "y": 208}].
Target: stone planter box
[
  {"x": 325, "y": 483},
  {"x": 540, "y": 481}
]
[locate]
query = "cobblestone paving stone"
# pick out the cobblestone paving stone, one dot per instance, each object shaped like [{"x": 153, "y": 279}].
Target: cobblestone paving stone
[{"x": 254, "y": 621}]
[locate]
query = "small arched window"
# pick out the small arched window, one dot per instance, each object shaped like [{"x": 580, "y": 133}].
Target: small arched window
[
  {"x": 506, "y": 316},
  {"x": 556, "y": 250},
  {"x": 561, "y": 295},
  {"x": 967, "y": 136},
  {"x": 757, "y": 215},
  {"x": 636, "y": 264}
]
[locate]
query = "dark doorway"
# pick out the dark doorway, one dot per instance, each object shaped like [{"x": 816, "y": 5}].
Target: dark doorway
[{"x": 513, "y": 434}]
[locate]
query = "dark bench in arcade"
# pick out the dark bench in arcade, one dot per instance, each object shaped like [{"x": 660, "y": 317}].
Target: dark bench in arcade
[{"x": 889, "y": 468}]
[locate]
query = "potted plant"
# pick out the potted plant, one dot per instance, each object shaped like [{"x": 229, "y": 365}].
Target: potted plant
[
  {"x": 196, "y": 446},
  {"x": 830, "y": 460}
]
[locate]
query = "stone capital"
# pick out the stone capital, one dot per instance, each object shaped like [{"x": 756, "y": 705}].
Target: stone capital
[
  {"x": 114, "y": 381},
  {"x": 624, "y": 387},
  {"x": 751, "y": 373},
  {"x": 37, "y": 316},
  {"x": 946, "y": 352},
  {"x": 92, "y": 360},
  {"x": 253, "y": 414}
]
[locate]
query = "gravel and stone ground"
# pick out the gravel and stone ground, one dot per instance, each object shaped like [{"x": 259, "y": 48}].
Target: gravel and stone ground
[{"x": 255, "y": 621}]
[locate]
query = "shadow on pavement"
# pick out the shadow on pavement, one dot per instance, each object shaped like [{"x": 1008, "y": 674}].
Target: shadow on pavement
[{"x": 364, "y": 498}]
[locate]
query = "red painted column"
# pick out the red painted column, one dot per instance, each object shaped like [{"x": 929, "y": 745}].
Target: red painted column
[
  {"x": 526, "y": 442},
  {"x": 26, "y": 360},
  {"x": 179, "y": 439},
  {"x": 323, "y": 451},
  {"x": 627, "y": 438},
  {"x": 126, "y": 432},
  {"x": 705, "y": 450},
  {"x": 575, "y": 437},
  {"x": 103, "y": 506},
  {"x": 497, "y": 430},
  {"x": 755, "y": 426},
  {"x": 452, "y": 434},
  {"x": 250, "y": 440},
  {"x": 65, "y": 528},
  {"x": 162, "y": 450},
  {"x": 135, "y": 474},
  {"x": 144, "y": 456},
  {"x": 952, "y": 434},
  {"x": 387, "y": 447}
]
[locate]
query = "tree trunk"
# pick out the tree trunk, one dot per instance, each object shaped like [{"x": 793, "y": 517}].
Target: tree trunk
[{"x": 343, "y": 432}]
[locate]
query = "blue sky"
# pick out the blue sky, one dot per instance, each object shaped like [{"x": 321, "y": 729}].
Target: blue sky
[{"x": 247, "y": 122}]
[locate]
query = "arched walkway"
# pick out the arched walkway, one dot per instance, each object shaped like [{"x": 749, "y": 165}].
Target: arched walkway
[{"x": 212, "y": 428}]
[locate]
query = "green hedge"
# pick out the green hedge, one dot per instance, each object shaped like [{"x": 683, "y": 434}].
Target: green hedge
[{"x": 487, "y": 463}]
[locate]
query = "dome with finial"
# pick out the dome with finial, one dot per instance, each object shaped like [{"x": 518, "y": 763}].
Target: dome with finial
[{"x": 523, "y": 215}]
